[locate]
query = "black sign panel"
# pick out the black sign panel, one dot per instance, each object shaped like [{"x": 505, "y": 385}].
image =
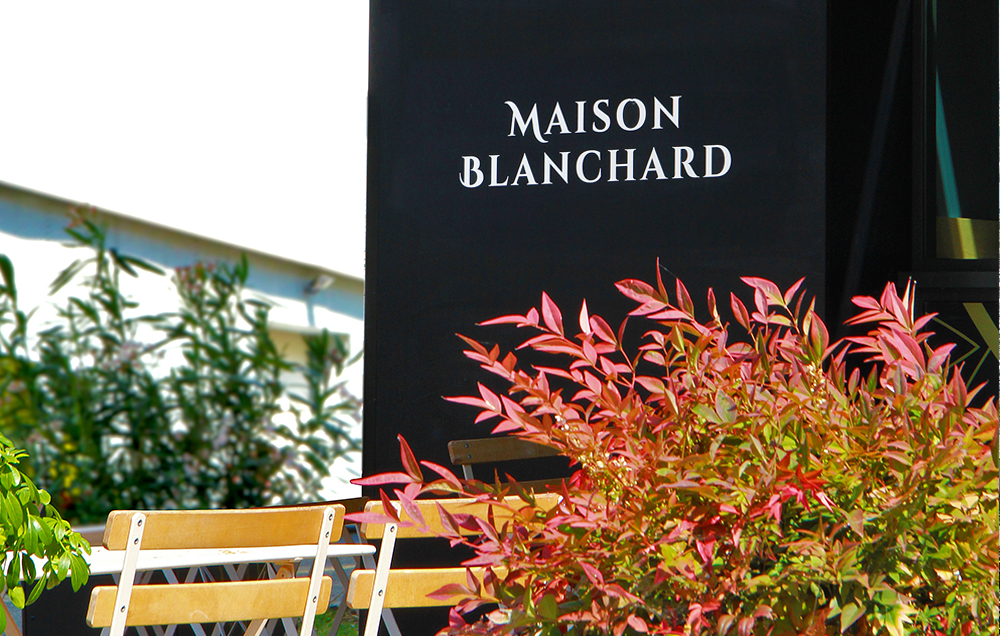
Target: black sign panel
[{"x": 520, "y": 146}]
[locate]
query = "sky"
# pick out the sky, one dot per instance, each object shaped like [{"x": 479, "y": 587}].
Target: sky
[{"x": 242, "y": 121}]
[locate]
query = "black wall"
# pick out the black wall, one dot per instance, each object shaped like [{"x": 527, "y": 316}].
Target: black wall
[{"x": 442, "y": 257}]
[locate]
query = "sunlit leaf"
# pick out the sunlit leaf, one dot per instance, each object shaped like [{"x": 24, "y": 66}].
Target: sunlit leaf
[{"x": 849, "y": 614}]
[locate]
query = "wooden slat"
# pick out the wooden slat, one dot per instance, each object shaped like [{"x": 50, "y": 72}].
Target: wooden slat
[
  {"x": 409, "y": 588},
  {"x": 249, "y": 528},
  {"x": 207, "y": 602},
  {"x": 94, "y": 533},
  {"x": 544, "y": 485},
  {"x": 429, "y": 510},
  {"x": 355, "y": 504},
  {"x": 495, "y": 449}
]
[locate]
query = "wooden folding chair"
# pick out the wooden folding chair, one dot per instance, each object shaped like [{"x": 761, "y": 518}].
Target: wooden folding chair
[
  {"x": 470, "y": 452},
  {"x": 385, "y": 587},
  {"x": 268, "y": 529}
]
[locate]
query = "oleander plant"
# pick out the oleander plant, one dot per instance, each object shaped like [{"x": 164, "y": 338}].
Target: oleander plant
[
  {"x": 739, "y": 476},
  {"x": 122, "y": 408}
]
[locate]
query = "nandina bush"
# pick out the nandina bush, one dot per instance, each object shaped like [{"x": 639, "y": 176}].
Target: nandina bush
[{"x": 744, "y": 479}]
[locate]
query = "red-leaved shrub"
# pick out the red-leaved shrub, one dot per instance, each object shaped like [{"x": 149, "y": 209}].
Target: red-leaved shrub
[{"x": 740, "y": 480}]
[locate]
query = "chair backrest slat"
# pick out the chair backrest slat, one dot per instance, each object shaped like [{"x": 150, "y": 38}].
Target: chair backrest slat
[
  {"x": 429, "y": 508},
  {"x": 410, "y": 587},
  {"x": 208, "y": 602},
  {"x": 250, "y": 528},
  {"x": 495, "y": 449}
]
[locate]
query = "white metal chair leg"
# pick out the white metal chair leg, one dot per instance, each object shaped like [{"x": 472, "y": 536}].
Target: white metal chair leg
[
  {"x": 124, "y": 595},
  {"x": 388, "y": 618},
  {"x": 381, "y": 578},
  {"x": 316, "y": 578}
]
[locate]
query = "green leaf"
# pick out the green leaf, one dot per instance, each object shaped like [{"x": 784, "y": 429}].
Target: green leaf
[
  {"x": 7, "y": 269},
  {"x": 79, "y": 571},
  {"x": 725, "y": 407},
  {"x": 36, "y": 591},
  {"x": 66, "y": 276},
  {"x": 856, "y": 519},
  {"x": 12, "y": 576},
  {"x": 15, "y": 510},
  {"x": 122, "y": 263},
  {"x": 61, "y": 565},
  {"x": 849, "y": 615},
  {"x": 706, "y": 413},
  {"x": 28, "y": 572},
  {"x": 16, "y": 594},
  {"x": 548, "y": 608}
]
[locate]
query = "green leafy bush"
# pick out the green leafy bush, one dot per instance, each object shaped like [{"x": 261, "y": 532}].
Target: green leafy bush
[
  {"x": 739, "y": 480},
  {"x": 122, "y": 409},
  {"x": 27, "y": 533}
]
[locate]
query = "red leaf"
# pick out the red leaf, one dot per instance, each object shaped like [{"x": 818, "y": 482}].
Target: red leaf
[
  {"x": 791, "y": 290},
  {"x": 447, "y": 592},
  {"x": 446, "y": 474},
  {"x": 638, "y": 624},
  {"x": 740, "y": 311},
  {"x": 471, "y": 401},
  {"x": 584, "y": 318},
  {"x": 593, "y": 383},
  {"x": 760, "y": 301},
  {"x": 388, "y": 507},
  {"x": 409, "y": 461},
  {"x": 592, "y": 573},
  {"x": 769, "y": 289},
  {"x": 636, "y": 290},
  {"x": 764, "y": 611},
  {"x": 507, "y": 426},
  {"x": 455, "y": 619},
  {"x": 449, "y": 523},
  {"x": 503, "y": 320},
  {"x": 368, "y": 517},
  {"x": 684, "y": 298},
  {"x": 603, "y": 329},
  {"x": 485, "y": 415},
  {"x": 621, "y": 330},
  {"x": 659, "y": 283},
  {"x": 654, "y": 385},
  {"x": 707, "y": 550},
  {"x": 490, "y": 398},
  {"x": 532, "y": 317},
  {"x": 383, "y": 479},
  {"x": 866, "y": 302},
  {"x": 412, "y": 510},
  {"x": 551, "y": 315},
  {"x": 472, "y": 343},
  {"x": 669, "y": 314},
  {"x": 472, "y": 581}
]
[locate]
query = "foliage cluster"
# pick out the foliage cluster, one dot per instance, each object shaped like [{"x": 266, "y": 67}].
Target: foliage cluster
[
  {"x": 122, "y": 409},
  {"x": 32, "y": 527},
  {"x": 773, "y": 483}
]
